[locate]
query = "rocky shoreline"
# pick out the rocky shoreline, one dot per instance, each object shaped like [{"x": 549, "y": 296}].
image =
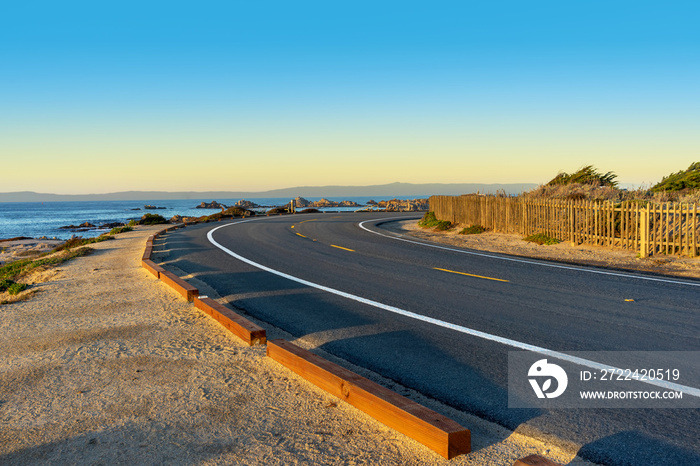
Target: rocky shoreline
[
  {"x": 242, "y": 207},
  {"x": 392, "y": 205}
]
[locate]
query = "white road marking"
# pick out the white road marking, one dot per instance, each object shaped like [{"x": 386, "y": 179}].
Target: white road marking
[
  {"x": 522, "y": 261},
  {"x": 486, "y": 336}
]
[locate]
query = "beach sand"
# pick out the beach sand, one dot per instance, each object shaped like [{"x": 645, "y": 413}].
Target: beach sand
[{"x": 105, "y": 364}]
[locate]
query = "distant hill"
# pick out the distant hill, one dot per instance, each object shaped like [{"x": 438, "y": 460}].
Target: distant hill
[{"x": 381, "y": 190}]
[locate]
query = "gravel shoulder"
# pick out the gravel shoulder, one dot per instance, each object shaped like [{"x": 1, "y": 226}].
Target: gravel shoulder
[{"x": 105, "y": 364}]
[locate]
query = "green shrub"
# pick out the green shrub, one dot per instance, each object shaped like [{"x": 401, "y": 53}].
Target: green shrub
[
  {"x": 278, "y": 210},
  {"x": 430, "y": 221},
  {"x": 12, "y": 287},
  {"x": 443, "y": 225},
  {"x": 132, "y": 223},
  {"x": 585, "y": 175},
  {"x": 16, "y": 288},
  {"x": 14, "y": 269},
  {"x": 152, "y": 219},
  {"x": 472, "y": 230},
  {"x": 541, "y": 238},
  {"x": 116, "y": 231},
  {"x": 688, "y": 179},
  {"x": 77, "y": 242}
]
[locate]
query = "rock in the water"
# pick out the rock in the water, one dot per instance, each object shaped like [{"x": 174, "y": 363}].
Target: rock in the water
[
  {"x": 77, "y": 227},
  {"x": 112, "y": 225},
  {"x": 181, "y": 219},
  {"x": 247, "y": 204},
  {"x": 301, "y": 202},
  {"x": 211, "y": 205},
  {"x": 327, "y": 203},
  {"x": 400, "y": 205}
]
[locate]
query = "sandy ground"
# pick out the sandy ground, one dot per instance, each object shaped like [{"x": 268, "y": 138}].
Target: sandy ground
[
  {"x": 678, "y": 266},
  {"x": 11, "y": 251},
  {"x": 107, "y": 365}
]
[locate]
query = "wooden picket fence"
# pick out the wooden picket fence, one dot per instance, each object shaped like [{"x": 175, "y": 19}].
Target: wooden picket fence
[{"x": 667, "y": 228}]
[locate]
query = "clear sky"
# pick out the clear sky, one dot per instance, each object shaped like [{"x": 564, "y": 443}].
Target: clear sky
[{"x": 104, "y": 96}]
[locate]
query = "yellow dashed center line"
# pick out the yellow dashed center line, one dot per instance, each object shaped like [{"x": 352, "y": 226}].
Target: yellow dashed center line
[
  {"x": 301, "y": 235},
  {"x": 340, "y": 247},
  {"x": 471, "y": 275}
]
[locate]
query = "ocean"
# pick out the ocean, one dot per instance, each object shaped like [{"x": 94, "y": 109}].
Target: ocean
[{"x": 38, "y": 219}]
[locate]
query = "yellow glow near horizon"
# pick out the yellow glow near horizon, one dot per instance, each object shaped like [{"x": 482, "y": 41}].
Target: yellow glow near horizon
[{"x": 190, "y": 162}]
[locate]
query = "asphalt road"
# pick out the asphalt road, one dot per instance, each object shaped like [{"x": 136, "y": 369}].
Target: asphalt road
[{"x": 442, "y": 321}]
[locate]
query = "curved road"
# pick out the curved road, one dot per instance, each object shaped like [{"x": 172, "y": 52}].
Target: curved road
[{"x": 442, "y": 321}]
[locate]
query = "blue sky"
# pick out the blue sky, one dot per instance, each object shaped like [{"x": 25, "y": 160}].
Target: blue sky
[{"x": 258, "y": 95}]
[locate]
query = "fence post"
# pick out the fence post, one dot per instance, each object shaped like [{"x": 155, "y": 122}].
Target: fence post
[
  {"x": 571, "y": 223},
  {"x": 644, "y": 232},
  {"x": 694, "y": 231}
]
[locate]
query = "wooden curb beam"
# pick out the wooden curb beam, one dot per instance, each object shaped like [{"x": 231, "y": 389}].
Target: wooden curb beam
[
  {"x": 535, "y": 460},
  {"x": 437, "y": 432},
  {"x": 236, "y": 324},
  {"x": 188, "y": 291},
  {"x": 147, "y": 253},
  {"x": 152, "y": 267}
]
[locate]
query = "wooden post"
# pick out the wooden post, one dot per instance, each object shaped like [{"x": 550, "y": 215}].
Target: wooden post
[
  {"x": 597, "y": 222},
  {"x": 571, "y": 222},
  {"x": 644, "y": 232},
  {"x": 507, "y": 204},
  {"x": 687, "y": 228},
  {"x": 694, "y": 244},
  {"x": 677, "y": 211},
  {"x": 611, "y": 224},
  {"x": 624, "y": 226},
  {"x": 637, "y": 223}
]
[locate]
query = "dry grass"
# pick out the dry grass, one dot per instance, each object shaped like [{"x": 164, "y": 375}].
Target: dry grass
[{"x": 589, "y": 192}]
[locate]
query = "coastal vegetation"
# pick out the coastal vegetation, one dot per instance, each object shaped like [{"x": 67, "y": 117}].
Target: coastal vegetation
[
  {"x": 585, "y": 175},
  {"x": 17, "y": 269},
  {"x": 79, "y": 241},
  {"x": 12, "y": 287},
  {"x": 680, "y": 181},
  {"x": 472, "y": 230},
  {"x": 21, "y": 269},
  {"x": 430, "y": 221},
  {"x": 588, "y": 183},
  {"x": 117, "y": 230},
  {"x": 278, "y": 210},
  {"x": 152, "y": 219},
  {"x": 11, "y": 273},
  {"x": 230, "y": 212},
  {"x": 541, "y": 238}
]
